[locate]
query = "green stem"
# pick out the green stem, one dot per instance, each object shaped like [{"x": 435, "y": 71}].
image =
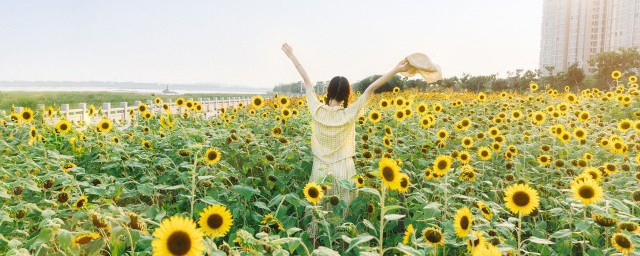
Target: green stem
[
  {"x": 519, "y": 231},
  {"x": 381, "y": 220},
  {"x": 193, "y": 182}
]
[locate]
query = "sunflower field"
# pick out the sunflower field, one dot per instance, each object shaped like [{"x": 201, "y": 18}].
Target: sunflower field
[{"x": 439, "y": 173}]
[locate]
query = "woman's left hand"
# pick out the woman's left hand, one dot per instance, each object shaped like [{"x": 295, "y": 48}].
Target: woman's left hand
[{"x": 403, "y": 66}]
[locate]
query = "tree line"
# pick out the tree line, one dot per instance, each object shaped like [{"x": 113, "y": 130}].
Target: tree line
[{"x": 625, "y": 60}]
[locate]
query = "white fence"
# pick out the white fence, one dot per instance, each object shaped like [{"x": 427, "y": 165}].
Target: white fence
[{"x": 210, "y": 107}]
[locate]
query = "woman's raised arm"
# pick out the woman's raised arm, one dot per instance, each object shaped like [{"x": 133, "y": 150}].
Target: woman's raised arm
[
  {"x": 308, "y": 85},
  {"x": 402, "y": 66}
]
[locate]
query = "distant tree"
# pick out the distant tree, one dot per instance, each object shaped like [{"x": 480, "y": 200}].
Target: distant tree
[
  {"x": 574, "y": 75},
  {"x": 625, "y": 60}
]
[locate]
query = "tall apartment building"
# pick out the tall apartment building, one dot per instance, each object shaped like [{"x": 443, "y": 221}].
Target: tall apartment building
[{"x": 575, "y": 30}]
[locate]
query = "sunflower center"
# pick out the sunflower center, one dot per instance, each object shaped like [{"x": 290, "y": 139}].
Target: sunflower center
[
  {"x": 26, "y": 115},
  {"x": 179, "y": 243},
  {"x": 586, "y": 192},
  {"x": 442, "y": 165},
  {"x": 388, "y": 174},
  {"x": 464, "y": 222},
  {"x": 214, "y": 221},
  {"x": 622, "y": 242},
  {"x": 521, "y": 198},
  {"x": 375, "y": 116},
  {"x": 484, "y": 153},
  {"x": 105, "y": 126},
  {"x": 63, "y": 127},
  {"x": 80, "y": 203},
  {"x": 313, "y": 192},
  {"x": 33, "y": 133},
  {"x": 485, "y": 210},
  {"x": 212, "y": 155},
  {"x": 404, "y": 183},
  {"x": 433, "y": 236}
]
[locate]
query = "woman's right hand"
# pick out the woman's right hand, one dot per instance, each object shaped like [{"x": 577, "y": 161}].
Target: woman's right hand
[{"x": 287, "y": 49}]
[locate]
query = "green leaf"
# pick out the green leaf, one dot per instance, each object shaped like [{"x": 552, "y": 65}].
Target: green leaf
[
  {"x": 370, "y": 191},
  {"x": 359, "y": 240},
  {"x": 538, "y": 240},
  {"x": 245, "y": 191},
  {"x": 408, "y": 249},
  {"x": 393, "y": 217},
  {"x": 582, "y": 225},
  {"x": 561, "y": 233},
  {"x": 325, "y": 251}
]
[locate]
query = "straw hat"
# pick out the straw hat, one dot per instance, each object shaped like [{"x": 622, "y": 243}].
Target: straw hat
[{"x": 421, "y": 64}]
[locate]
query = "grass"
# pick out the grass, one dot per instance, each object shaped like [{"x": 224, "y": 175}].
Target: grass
[{"x": 32, "y": 99}]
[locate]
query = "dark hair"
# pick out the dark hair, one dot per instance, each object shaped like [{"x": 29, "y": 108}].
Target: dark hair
[{"x": 339, "y": 89}]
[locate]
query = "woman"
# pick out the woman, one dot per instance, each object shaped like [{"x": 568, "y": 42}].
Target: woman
[{"x": 333, "y": 126}]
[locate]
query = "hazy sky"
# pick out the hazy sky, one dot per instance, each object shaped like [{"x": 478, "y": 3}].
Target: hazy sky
[{"x": 238, "y": 42}]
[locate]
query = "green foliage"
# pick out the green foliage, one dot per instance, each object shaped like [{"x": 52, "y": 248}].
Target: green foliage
[{"x": 625, "y": 60}]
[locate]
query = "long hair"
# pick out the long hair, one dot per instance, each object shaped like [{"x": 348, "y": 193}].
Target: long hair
[{"x": 339, "y": 89}]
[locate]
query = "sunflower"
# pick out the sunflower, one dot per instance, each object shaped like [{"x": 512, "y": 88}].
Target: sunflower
[
  {"x": 215, "y": 221},
  {"x": 584, "y": 116},
  {"x": 485, "y": 210},
  {"x": 26, "y": 115},
  {"x": 539, "y": 117},
  {"x": 442, "y": 164},
  {"x": 285, "y": 112},
  {"x": 464, "y": 157},
  {"x": 84, "y": 239},
  {"x": 212, "y": 156},
  {"x": 359, "y": 181},
  {"x": 463, "y": 221},
  {"x": 399, "y": 114},
  {"x": 484, "y": 153},
  {"x": 142, "y": 108},
  {"x": 180, "y": 102},
  {"x": 487, "y": 249},
  {"x": 404, "y": 182},
  {"x": 622, "y": 243},
  {"x": 390, "y": 173},
  {"x": 544, "y": 160},
  {"x": 313, "y": 192},
  {"x": 421, "y": 108},
  {"x": 476, "y": 241},
  {"x": 442, "y": 134},
  {"x": 276, "y": 131},
  {"x": 375, "y": 116},
  {"x": 105, "y": 125},
  {"x": 433, "y": 237},
  {"x": 616, "y": 74},
  {"x": 33, "y": 133},
  {"x": 384, "y": 104},
  {"x": 146, "y": 144},
  {"x": 533, "y": 87},
  {"x": 610, "y": 168},
  {"x": 177, "y": 236},
  {"x": 257, "y": 101},
  {"x": 521, "y": 199},
  {"x": 588, "y": 191},
  {"x": 284, "y": 101},
  {"x": 407, "y": 234},
  {"x": 595, "y": 173},
  {"x": 604, "y": 221},
  {"x": 624, "y": 125},
  {"x": 63, "y": 126},
  {"x": 580, "y": 133},
  {"x": 467, "y": 142},
  {"x": 80, "y": 203}
]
